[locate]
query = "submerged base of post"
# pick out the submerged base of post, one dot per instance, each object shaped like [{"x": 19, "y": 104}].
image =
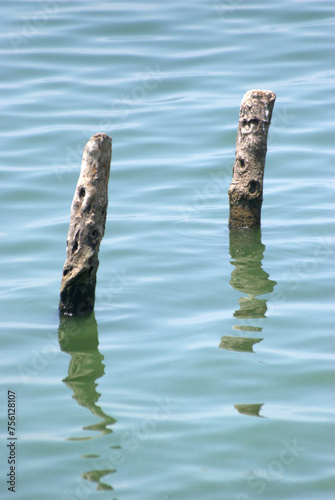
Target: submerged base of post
[
  {"x": 87, "y": 227},
  {"x": 246, "y": 189}
]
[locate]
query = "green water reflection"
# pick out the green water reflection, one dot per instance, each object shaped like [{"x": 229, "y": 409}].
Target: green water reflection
[
  {"x": 247, "y": 250},
  {"x": 251, "y": 410},
  {"x": 241, "y": 344},
  {"x": 79, "y": 338}
]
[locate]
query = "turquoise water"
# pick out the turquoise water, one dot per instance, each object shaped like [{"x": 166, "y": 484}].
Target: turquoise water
[{"x": 207, "y": 370}]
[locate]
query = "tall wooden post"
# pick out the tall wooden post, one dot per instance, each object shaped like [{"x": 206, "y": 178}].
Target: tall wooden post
[
  {"x": 246, "y": 189},
  {"x": 87, "y": 227}
]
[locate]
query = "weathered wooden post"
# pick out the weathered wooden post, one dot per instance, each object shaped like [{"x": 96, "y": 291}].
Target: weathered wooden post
[
  {"x": 87, "y": 227},
  {"x": 246, "y": 189}
]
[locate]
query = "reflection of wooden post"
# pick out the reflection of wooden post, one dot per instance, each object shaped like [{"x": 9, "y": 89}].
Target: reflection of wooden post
[
  {"x": 250, "y": 409},
  {"x": 246, "y": 189},
  {"x": 239, "y": 344},
  {"x": 79, "y": 338},
  {"x": 246, "y": 249},
  {"x": 87, "y": 227}
]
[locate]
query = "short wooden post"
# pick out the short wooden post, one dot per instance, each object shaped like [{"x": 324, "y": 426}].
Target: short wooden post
[
  {"x": 87, "y": 227},
  {"x": 246, "y": 189}
]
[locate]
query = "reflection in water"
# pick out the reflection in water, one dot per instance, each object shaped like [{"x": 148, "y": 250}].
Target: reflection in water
[
  {"x": 79, "y": 338},
  {"x": 242, "y": 344},
  {"x": 95, "y": 477},
  {"x": 250, "y": 409},
  {"x": 248, "y": 328},
  {"x": 246, "y": 250},
  {"x": 251, "y": 307}
]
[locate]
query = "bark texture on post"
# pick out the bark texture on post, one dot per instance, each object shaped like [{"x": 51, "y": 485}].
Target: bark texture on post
[
  {"x": 246, "y": 189},
  {"x": 87, "y": 227}
]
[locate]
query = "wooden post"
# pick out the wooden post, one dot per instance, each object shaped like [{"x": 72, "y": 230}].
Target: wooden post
[
  {"x": 87, "y": 227},
  {"x": 246, "y": 189}
]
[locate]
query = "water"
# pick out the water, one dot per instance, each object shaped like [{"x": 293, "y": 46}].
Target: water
[{"x": 207, "y": 370}]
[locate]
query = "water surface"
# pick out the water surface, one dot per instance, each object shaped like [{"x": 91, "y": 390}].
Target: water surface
[{"x": 207, "y": 369}]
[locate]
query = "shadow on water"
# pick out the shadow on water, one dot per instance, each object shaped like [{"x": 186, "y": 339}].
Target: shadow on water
[
  {"x": 248, "y": 277},
  {"x": 79, "y": 338}
]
